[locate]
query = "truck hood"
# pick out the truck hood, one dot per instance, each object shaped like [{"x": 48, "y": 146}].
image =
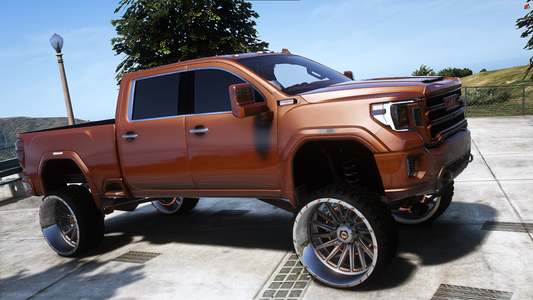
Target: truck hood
[{"x": 397, "y": 87}]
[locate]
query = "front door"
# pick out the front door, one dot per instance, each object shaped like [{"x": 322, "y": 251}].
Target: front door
[{"x": 225, "y": 152}]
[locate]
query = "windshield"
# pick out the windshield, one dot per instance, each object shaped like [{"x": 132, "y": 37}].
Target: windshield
[{"x": 293, "y": 74}]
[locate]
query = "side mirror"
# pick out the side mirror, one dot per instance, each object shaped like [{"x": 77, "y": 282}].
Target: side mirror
[
  {"x": 348, "y": 74},
  {"x": 242, "y": 101}
]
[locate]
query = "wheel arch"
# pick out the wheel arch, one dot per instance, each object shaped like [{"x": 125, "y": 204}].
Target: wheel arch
[
  {"x": 320, "y": 162},
  {"x": 59, "y": 169}
]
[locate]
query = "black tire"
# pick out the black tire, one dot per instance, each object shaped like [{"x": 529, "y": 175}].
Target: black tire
[
  {"x": 175, "y": 205},
  {"x": 432, "y": 208},
  {"x": 70, "y": 221},
  {"x": 337, "y": 226}
]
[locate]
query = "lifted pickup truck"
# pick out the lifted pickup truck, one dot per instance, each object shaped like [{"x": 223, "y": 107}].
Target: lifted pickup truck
[{"x": 348, "y": 158}]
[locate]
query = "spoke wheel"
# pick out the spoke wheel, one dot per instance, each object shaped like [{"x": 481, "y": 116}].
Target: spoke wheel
[
  {"x": 344, "y": 236},
  {"x": 174, "y": 205},
  {"x": 426, "y": 209},
  {"x": 67, "y": 223},
  {"x": 70, "y": 221}
]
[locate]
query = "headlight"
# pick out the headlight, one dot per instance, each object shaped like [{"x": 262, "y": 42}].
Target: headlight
[{"x": 394, "y": 114}]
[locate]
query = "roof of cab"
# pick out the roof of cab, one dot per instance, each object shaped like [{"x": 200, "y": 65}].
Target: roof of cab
[{"x": 232, "y": 57}]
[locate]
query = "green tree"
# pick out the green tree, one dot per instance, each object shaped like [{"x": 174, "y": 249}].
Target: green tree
[
  {"x": 424, "y": 71},
  {"x": 153, "y": 33},
  {"x": 526, "y": 23},
  {"x": 455, "y": 72}
]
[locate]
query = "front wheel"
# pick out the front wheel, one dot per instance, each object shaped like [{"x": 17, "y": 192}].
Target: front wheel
[
  {"x": 70, "y": 221},
  {"x": 175, "y": 205},
  {"x": 344, "y": 236},
  {"x": 421, "y": 210}
]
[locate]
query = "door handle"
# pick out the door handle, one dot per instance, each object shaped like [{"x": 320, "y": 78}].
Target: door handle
[
  {"x": 199, "y": 130},
  {"x": 130, "y": 136}
]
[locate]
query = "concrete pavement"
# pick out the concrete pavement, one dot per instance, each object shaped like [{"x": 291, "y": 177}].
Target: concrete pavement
[{"x": 482, "y": 246}]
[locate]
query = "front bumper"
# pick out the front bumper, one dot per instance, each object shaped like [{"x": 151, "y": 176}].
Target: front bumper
[{"x": 424, "y": 171}]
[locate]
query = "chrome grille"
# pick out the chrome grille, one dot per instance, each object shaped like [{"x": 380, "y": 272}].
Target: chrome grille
[{"x": 445, "y": 115}]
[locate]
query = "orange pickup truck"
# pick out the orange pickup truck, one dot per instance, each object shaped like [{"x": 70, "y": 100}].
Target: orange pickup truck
[{"x": 348, "y": 158}]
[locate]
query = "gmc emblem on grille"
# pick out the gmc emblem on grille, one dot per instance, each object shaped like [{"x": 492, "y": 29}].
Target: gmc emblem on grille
[{"x": 451, "y": 101}]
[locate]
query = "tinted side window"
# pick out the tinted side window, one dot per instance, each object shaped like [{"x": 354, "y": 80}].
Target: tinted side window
[
  {"x": 156, "y": 97},
  {"x": 211, "y": 90}
]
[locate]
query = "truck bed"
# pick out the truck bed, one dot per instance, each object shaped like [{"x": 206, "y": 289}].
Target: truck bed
[{"x": 90, "y": 146}]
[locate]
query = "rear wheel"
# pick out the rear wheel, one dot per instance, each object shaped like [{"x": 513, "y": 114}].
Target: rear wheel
[
  {"x": 424, "y": 209},
  {"x": 174, "y": 205},
  {"x": 344, "y": 236},
  {"x": 70, "y": 221}
]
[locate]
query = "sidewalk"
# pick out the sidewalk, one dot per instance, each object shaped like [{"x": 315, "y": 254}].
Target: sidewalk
[{"x": 232, "y": 248}]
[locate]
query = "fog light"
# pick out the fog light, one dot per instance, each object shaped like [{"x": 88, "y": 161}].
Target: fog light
[{"x": 413, "y": 165}]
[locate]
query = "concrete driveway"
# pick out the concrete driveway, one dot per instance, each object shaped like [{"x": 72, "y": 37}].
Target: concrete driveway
[{"x": 480, "y": 248}]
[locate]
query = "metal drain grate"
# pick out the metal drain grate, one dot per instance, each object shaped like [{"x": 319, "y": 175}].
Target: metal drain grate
[
  {"x": 137, "y": 257},
  {"x": 508, "y": 226},
  {"x": 230, "y": 213},
  {"x": 455, "y": 292},
  {"x": 288, "y": 282}
]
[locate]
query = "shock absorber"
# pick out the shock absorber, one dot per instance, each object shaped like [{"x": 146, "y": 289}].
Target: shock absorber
[{"x": 349, "y": 171}]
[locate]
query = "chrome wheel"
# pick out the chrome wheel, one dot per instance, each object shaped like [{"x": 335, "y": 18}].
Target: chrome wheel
[
  {"x": 59, "y": 225},
  {"x": 70, "y": 221},
  {"x": 424, "y": 209},
  {"x": 339, "y": 240},
  {"x": 170, "y": 206},
  {"x": 340, "y": 236},
  {"x": 411, "y": 214}
]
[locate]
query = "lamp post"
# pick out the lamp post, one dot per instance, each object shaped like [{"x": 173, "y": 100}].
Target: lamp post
[{"x": 57, "y": 43}]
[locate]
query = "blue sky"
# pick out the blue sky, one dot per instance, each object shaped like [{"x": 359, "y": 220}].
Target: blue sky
[{"x": 371, "y": 38}]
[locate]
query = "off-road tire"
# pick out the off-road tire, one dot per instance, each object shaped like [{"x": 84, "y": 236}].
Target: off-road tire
[
  {"x": 70, "y": 221},
  {"x": 361, "y": 227}
]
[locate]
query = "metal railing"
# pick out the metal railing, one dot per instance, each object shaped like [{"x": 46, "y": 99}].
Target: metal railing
[
  {"x": 9, "y": 165},
  {"x": 500, "y": 100}
]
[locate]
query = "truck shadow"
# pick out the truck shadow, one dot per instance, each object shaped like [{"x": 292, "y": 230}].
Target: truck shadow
[
  {"x": 58, "y": 281},
  {"x": 443, "y": 241},
  {"x": 261, "y": 226},
  {"x": 447, "y": 239}
]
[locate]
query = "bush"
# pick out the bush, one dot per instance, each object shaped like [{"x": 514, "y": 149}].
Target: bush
[
  {"x": 487, "y": 96},
  {"x": 483, "y": 70},
  {"x": 449, "y": 72}
]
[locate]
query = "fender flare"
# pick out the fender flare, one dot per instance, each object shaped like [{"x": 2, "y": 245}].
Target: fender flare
[
  {"x": 70, "y": 155},
  {"x": 358, "y": 134}
]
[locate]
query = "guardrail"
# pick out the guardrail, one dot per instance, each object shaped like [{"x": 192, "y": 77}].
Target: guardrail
[
  {"x": 7, "y": 168},
  {"x": 9, "y": 165},
  {"x": 12, "y": 186}
]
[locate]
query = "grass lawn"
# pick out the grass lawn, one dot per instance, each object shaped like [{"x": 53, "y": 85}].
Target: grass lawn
[
  {"x": 497, "y": 77},
  {"x": 509, "y": 76}
]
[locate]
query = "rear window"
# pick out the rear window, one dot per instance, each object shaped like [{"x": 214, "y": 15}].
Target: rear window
[{"x": 156, "y": 97}]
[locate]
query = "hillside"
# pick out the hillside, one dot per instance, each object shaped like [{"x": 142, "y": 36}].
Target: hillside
[
  {"x": 11, "y": 127},
  {"x": 507, "y": 76}
]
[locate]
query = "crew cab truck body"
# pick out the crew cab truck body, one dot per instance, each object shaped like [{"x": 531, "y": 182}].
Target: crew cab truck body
[{"x": 348, "y": 158}]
